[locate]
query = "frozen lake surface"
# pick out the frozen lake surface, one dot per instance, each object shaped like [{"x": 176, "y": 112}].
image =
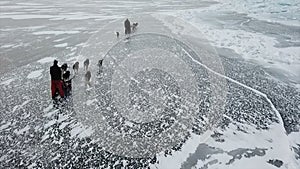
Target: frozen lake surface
[{"x": 257, "y": 42}]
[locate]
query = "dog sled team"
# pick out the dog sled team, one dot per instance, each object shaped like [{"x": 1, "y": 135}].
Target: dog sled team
[
  {"x": 129, "y": 28},
  {"x": 61, "y": 80}
]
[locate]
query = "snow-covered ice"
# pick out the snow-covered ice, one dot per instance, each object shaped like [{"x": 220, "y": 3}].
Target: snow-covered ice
[
  {"x": 258, "y": 44},
  {"x": 62, "y": 45},
  {"x": 35, "y": 74},
  {"x": 8, "y": 81},
  {"x": 55, "y": 32},
  {"x": 46, "y": 60}
]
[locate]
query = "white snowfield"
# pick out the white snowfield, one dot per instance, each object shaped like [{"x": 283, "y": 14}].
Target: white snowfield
[
  {"x": 264, "y": 34},
  {"x": 280, "y": 11}
]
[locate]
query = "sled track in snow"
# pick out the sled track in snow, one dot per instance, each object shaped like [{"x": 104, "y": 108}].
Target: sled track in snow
[{"x": 243, "y": 85}]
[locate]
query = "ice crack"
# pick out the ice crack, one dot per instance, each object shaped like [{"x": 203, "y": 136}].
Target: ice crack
[{"x": 243, "y": 85}]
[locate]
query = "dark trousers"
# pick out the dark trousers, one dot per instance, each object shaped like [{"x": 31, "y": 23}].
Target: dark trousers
[{"x": 127, "y": 31}]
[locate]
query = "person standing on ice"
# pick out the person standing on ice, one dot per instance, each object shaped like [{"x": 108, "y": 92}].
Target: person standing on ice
[
  {"x": 56, "y": 80},
  {"x": 127, "y": 27}
]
